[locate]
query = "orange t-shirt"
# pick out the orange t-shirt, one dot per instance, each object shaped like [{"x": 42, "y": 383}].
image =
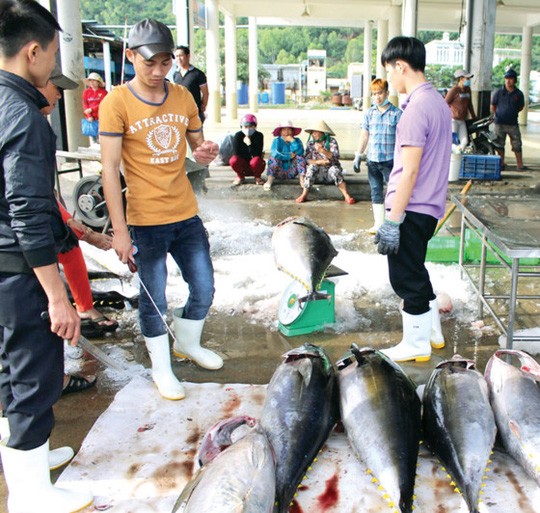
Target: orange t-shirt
[{"x": 153, "y": 152}]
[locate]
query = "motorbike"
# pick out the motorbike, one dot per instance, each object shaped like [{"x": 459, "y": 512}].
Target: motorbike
[{"x": 481, "y": 139}]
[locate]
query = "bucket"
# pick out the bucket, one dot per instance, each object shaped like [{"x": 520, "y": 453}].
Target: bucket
[{"x": 455, "y": 166}]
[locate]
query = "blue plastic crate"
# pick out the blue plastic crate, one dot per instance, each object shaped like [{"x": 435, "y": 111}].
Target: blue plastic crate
[{"x": 480, "y": 167}]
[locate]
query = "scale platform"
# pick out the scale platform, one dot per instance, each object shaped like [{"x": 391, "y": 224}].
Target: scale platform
[{"x": 300, "y": 318}]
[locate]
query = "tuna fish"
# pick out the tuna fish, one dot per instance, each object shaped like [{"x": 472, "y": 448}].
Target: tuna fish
[
  {"x": 459, "y": 425},
  {"x": 515, "y": 398},
  {"x": 240, "y": 479},
  {"x": 219, "y": 437},
  {"x": 380, "y": 411},
  {"x": 299, "y": 412},
  {"x": 304, "y": 251}
]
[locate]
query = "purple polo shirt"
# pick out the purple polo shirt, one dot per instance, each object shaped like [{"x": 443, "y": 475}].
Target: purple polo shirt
[{"x": 426, "y": 123}]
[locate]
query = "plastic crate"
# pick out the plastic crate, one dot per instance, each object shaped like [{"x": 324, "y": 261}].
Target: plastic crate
[{"x": 480, "y": 167}]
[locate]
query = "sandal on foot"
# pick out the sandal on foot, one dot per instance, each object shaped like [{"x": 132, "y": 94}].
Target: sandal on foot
[
  {"x": 350, "y": 201},
  {"x": 90, "y": 329},
  {"x": 237, "y": 182},
  {"x": 267, "y": 186},
  {"x": 106, "y": 324},
  {"x": 78, "y": 384},
  {"x": 259, "y": 181}
]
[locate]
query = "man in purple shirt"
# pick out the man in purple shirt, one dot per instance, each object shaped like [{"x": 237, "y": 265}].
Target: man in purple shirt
[{"x": 416, "y": 196}]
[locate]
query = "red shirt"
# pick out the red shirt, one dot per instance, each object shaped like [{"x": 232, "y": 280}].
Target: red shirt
[{"x": 91, "y": 99}]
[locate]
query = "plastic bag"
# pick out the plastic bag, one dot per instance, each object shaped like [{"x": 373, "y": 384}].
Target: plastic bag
[{"x": 89, "y": 128}]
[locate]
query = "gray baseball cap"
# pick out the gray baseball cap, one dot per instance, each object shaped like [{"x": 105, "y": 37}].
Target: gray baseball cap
[
  {"x": 60, "y": 80},
  {"x": 462, "y": 73},
  {"x": 150, "y": 37}
]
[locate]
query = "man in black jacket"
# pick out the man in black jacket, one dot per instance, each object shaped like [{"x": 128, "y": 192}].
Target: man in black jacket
[{"x": 31, "y": 234}]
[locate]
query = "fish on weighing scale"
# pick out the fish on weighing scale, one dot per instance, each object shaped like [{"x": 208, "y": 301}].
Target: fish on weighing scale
[{"x": 304, "y": 251}]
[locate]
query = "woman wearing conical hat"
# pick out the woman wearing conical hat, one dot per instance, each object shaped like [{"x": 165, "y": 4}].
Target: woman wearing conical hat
[{"x": 323, "y": 166}]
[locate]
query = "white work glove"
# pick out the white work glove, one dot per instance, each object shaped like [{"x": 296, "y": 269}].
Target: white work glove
[{"x": 358, "y": 158}]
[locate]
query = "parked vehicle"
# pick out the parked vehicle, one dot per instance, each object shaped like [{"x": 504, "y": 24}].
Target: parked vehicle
[{"x": 481, "y": 139}]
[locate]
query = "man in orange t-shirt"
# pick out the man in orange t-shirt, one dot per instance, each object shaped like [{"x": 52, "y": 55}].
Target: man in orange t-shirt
[{"x": 146, "y": 124}]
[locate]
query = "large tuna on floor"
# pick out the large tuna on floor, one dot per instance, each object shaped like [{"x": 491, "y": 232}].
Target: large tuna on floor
[
  {"x": 514, "y": 393},
  {"x": 299, "y": 412},
  {"x": 381, "y": 414},
  {"x": 237, "y": 477},
  {"x": 303, "y": 250},
  {"x": 459, "y": 425}
]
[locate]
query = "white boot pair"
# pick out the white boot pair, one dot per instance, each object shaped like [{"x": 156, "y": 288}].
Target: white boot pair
[
  {"x": 29, "y": 483},
  {"x": 57, "y": 457},
  {"x": 187, "y": 345},
  {"x": 188, "y": 342},
  {"x": 420, "y": 334},
  {"x": 378, "y": 216}
]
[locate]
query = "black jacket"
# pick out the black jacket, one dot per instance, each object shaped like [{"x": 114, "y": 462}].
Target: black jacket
[
  {"x": 31, "y": 227},
  {"x": 255, "y": 149}
]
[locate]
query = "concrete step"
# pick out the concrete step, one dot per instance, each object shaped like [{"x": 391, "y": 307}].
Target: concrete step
[{"x": 218, "y": 186}]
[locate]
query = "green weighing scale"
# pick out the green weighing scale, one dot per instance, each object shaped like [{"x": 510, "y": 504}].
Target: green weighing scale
[{"x": 302, "y": 317}]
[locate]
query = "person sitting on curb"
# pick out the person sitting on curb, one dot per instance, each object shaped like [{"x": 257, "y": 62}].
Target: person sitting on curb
[
  {"x": 287, "y": 154},
  {"x": 322, "y": 156},
  {"x": 247, "y": 151}
]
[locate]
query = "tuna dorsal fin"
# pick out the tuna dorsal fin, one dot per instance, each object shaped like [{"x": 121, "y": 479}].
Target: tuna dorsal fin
[{"x": 305, "y": 369}]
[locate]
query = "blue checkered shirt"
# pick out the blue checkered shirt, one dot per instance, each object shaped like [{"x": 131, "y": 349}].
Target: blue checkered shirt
[{"x": 382, "y": 132}]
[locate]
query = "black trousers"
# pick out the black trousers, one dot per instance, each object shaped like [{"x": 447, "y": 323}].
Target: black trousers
[
  {"x": 32, "y": 359},
  {"x": 408, "y": 274}
]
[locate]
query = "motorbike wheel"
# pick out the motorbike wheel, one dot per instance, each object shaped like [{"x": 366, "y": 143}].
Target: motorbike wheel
[
  {"x": 89, "y": 202},
  {"x": 485, "y": 148}
]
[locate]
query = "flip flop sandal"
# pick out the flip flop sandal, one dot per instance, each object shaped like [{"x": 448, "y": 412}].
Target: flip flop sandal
[
  {"x": 78, "y": 384},
  {"x": 106, "y": 324},
  {"x": 90, "y": 329}
]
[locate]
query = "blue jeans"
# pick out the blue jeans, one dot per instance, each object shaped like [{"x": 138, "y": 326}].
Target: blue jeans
[
  {"x": 377, "y": 172},
  {"x": 187, "y": 242}
]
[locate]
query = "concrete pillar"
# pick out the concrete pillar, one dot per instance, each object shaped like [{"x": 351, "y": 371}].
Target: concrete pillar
[
  {"x": 467, "y": 43},
  {"x": 394, "y": 30},
  {"x": 253, "y": 65},
  {"x": 231, "y": 71},
  {"x": 394, "y": 22},
  {"x": 409, "y": 23},
  {"x": 183, "y": 12},
  {"x": 483, "y": 40},
  {"x": 382, "y": 39},
  {"x": 367, "y": 65},
  {"x": 107, "y": 64},
  {"x": 525, "y": 71},
  {"x": 213, "y": 64},
  {"x": 72, "y": 61}
]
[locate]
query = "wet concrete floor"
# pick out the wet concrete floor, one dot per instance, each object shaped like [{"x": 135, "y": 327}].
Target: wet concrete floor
[{"x": 251, "y": 350}]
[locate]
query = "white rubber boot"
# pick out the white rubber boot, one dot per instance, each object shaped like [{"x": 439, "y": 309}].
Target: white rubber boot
[
  {"x": 29, "y": 483},
  {"x": 437, "y": 337},
  {"x": 378, "y": 215},
  {"x": 188, "y": 342},
  {"x": 415, "y": 344},
  {"x": 160, "y": 355},
  {"x": 57, "y": 457}
]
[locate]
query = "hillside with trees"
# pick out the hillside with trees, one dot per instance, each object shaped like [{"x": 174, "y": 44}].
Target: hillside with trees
[{"x": 287, "y": 45}]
